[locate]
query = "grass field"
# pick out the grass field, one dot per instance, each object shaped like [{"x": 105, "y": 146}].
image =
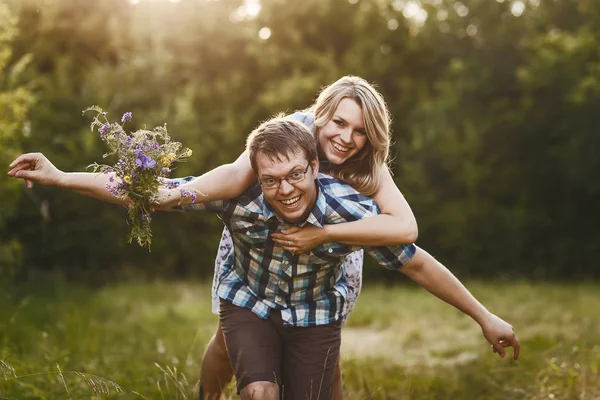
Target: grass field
[{"x": 145, "y": 341}]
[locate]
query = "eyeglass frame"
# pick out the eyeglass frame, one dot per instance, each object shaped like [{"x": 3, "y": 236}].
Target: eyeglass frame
[{"x": 285, "y": 179}]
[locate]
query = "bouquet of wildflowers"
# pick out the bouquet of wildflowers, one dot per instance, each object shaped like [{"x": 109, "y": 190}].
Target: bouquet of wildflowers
[{"x": 144, "y": 161}]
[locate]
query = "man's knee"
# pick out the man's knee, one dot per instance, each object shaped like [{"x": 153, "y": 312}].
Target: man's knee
[{"x": 260, "y": 391}]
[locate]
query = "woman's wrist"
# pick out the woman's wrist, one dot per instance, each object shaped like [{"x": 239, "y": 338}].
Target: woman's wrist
[
  {"x": 64, "y": 180},
  {"x": 174, "y": 198},
  {"x": 327, "y": 236}
]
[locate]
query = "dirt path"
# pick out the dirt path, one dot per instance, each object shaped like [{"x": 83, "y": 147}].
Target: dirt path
[{"x": 405, "y": 348}]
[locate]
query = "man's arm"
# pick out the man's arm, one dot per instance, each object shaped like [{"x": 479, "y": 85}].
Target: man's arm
[{"x": 438, "y": 280}]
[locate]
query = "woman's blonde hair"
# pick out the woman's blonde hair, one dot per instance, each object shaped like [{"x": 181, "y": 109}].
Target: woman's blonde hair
[{"x": 363, "y": 170}]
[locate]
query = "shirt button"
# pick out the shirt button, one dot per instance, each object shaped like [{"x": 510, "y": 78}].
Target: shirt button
[
  {"x": 330, "y": 250},
  {"x": 279, "y": 299}
]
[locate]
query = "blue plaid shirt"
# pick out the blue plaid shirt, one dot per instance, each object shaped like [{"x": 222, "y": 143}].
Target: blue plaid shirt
[{"x": 307, "y": 288}]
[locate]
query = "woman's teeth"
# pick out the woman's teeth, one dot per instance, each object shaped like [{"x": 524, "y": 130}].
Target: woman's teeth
[{"x": 339, "y": 147}]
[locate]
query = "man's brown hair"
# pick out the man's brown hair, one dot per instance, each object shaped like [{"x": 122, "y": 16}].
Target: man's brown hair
[{"x": 279, "y": 138}]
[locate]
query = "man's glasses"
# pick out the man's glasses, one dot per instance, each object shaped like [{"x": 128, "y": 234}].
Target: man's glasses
[{"x": 292, "y": 179}]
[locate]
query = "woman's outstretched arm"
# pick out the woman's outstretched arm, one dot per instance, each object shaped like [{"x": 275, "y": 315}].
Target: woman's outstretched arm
[
  {"x": 224, "y": 182},
  {"x": 227, "y": 181},
  {"x": 35, "y": 167},
  {"x": 396, "y": 225}
]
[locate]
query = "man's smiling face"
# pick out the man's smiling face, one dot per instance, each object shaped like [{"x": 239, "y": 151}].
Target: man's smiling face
[{"x": 291, "y": 202}]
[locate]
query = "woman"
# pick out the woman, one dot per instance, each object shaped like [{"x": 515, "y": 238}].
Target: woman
[{"x": 351, "y": 124}]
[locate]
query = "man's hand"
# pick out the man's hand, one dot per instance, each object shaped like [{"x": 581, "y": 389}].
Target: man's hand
[
  {"x": 500, "y": 334},
  {"x": 35, "y": 167}
]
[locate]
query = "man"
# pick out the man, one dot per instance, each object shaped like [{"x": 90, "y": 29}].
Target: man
[
  {"x": 280, "y": 311},
  {"x": 283, "y": 308}
]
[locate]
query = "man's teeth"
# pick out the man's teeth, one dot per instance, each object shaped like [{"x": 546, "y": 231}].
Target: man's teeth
[
  {"x": 290, "y": 201},
  {"x": 339, "y": 147}
]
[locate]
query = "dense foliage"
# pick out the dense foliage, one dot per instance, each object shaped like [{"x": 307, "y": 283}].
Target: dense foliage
[{"x": 494, "y": 106}]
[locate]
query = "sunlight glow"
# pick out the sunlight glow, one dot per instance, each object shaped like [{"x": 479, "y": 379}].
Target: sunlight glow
[
  {"x": 461, "y": 9},
  {"x": 249, "y": 10},
  {"x": 139, "y": 1},
  {"x": 471, "y": 30},
  {"x": 517, "y": 8},
  {"x": 252, "y": 7},
  {"x": 398, "y": 5},
  {"x": 412, "y": 10},
  {"x": 393, "y": 24},
  {"x": 442, "y": 15},
  {"x": 264, "y": 33}
]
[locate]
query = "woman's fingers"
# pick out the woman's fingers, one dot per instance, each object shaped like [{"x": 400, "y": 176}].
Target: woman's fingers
[
  {"x": 283, "y": 242},
  {"x": 23, "y": 158},
  {"x": 502, "y": 344},
  {"x": 25, "y": 174},
  {"x": 498, "y": 348},
  {"x": 291, "y": 230},
  {"x": 19, "y": 167},
  {"x": 289, "y": 245}
]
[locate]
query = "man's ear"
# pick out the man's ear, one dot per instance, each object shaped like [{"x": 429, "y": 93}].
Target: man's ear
[{"x": 315, "y": 167}]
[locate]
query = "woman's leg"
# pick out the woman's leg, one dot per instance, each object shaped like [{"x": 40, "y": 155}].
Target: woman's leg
[
  {"x": 338, "y": 393},
  {"x": 216, "y": 372},
  {"x": 353, "y": 276}
]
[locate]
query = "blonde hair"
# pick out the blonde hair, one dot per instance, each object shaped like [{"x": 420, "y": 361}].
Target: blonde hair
[{"x": 363, "y": 170}]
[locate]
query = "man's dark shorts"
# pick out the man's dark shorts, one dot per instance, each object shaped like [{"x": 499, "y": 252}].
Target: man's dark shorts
[{"x": 301, "y": 360}]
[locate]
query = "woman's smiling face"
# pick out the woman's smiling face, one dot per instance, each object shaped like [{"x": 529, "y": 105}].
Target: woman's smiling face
[{"x": 344, "y": 135}]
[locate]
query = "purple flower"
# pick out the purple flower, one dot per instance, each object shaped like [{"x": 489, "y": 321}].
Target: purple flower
[
  {"x": 172, "y": 184},
  {"x": 187, "y": 193},
  {"x": 143, "y": 161},
  {"x": 103, "y": 130},
  {"x": 126, "y": 117},
  {"x": 114, "y": 190}
]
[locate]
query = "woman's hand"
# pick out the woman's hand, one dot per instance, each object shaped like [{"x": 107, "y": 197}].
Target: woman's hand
[
  {"x": 500, "y": 334},
  {"x": 166, "y": 199},
  {"x": 300, "y": 240},
  {"x": 35, "y": 167}
]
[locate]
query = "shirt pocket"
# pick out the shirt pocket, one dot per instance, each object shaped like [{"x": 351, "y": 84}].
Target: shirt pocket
[
  {"x": 328, "y": 253},
  {"x": 252, "y": 234}
]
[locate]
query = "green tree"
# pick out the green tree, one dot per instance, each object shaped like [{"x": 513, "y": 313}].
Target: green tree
[{"x": 15, "y": 103}]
